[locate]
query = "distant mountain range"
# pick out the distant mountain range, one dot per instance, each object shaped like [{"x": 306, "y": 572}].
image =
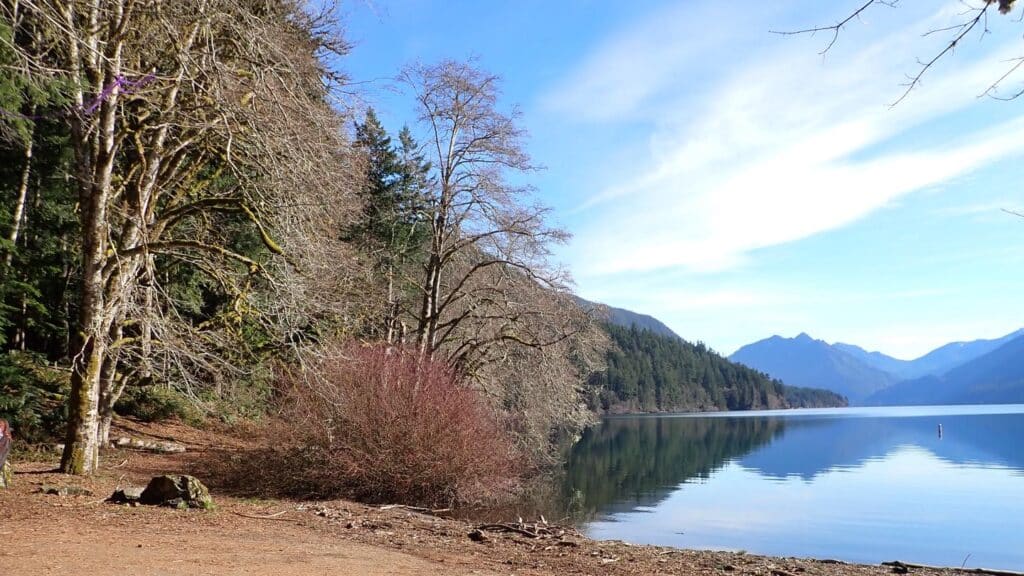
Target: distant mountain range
[
  {"x": 937, "y": 361},
  {"x": 993, "y": 378},
  {"x": 980, "y": 371},
  {"x": 804, "y": 361}
]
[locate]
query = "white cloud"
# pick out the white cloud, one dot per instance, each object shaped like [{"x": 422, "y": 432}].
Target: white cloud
[
  {"x": 773, "y": 145},
  {"x": 617, "y": 80}
]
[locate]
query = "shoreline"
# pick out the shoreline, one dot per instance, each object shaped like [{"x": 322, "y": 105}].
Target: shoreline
[
  {"x": 53, "y": 534},
  {"x": 247, "y": 536}
]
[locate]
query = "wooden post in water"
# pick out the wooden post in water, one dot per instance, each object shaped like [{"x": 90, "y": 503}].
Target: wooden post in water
[{"x": 940, "y": 431}]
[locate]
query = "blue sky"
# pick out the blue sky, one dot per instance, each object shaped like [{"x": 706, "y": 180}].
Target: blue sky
[{"x": 736, "y": 183}]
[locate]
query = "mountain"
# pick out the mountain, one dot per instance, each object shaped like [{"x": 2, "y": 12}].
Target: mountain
[
  {"x": 938, "y": 361},
  {"x": 951, "y": 355},
  {"x": 895, "y": 366},
  {"x": 628, "y": 318},
  {"x": 993, "y": 378},
  {"x": 651, "y": 372},
  {"x": 804, "y": 361}
]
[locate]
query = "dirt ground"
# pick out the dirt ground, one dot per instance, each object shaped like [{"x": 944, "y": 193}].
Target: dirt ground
[{"x": 81, "y": 534}]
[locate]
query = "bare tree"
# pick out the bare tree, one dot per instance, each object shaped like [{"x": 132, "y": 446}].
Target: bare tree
[
  {"x": 488, "y": 297},
  {"x": 182, "y": 116},
  {"x": 541, "y": 385},
  {"x": 974, "y": 19},
  {"x": 480, "y": 223}
]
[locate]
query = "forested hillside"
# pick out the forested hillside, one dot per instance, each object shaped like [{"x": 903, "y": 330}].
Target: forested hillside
[
  {"x": 201, "y": 220},
  {"x": 648, "y": 372}
]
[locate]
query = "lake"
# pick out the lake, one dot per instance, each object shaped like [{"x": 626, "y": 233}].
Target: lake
[{"x": 855, "y": 484}]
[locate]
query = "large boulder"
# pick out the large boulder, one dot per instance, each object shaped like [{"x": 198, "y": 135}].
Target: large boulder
[{"x": 178, "y": 491}]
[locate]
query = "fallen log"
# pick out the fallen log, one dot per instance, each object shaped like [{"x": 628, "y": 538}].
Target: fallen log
[{"x": 150, "y": 445}]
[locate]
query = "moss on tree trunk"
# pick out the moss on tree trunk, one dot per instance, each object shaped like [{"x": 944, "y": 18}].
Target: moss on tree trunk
[{"x": 81, "y": 450}]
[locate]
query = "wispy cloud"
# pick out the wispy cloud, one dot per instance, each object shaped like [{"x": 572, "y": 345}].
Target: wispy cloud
[{"x": 759, "y": 143}]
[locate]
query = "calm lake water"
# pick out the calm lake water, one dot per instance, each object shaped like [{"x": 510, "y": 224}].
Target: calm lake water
[{"x": 856, "y": 484}]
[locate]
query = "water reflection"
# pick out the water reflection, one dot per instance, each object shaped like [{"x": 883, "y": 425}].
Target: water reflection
[
  {"x": 863, "y": 485},
  {"x": 635, "y": 462},
  {"x": 811, "y": 446}
]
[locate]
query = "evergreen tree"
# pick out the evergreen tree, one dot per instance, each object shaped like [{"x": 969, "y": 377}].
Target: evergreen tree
[{"x": 392, "y": 229}]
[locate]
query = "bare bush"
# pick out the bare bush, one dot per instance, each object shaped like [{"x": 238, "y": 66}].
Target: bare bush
[{"x": 383, "y": 425}]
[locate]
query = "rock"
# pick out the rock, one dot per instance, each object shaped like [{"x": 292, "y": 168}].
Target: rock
[
  {"x": 128, "y": 495},
  {"x": 477, "y": 536},
  {"x": 164, "y": 489},
  {"x": 65, "y": 490},
  {"x": 6, "y": 475},
  {"x": 178, "y": 503}
]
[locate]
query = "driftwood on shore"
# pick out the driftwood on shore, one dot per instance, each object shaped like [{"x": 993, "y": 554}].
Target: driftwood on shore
[
  {"x": 418, "y": 509},
  {"x": 903, "y": 566},
  {"x": 533, "y": 530}
]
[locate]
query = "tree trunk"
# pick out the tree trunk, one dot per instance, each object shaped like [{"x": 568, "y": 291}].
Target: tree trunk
[
  {"x": 110, "y": 390},
  {"x": 19, "y": 205},
  {"x": 427, "y": 329},
  {"x": 82, "y": 448},
  {"x": 95, "y": 154},
  {"x": 149, "y": 312},
  {"x": 428, "y": 311}
]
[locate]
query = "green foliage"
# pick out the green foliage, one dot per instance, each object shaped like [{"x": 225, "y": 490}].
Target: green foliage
[
  {"x": 649, "y": 372},
  {"x": 392, "y": 225},
  {"x": 246, "y": 399},
  {"x": 797, "y": 396},
  {"x": 32, "y": 397},
  {"x": 37, "y": 307},
  {"x": 155, "y": 404}
]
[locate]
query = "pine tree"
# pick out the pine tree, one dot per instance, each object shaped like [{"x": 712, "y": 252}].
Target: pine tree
[{"x": 393, "y": 227}]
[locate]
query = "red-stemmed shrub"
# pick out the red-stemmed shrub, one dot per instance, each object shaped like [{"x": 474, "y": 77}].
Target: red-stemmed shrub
[{"x": 384, "y": 425}]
